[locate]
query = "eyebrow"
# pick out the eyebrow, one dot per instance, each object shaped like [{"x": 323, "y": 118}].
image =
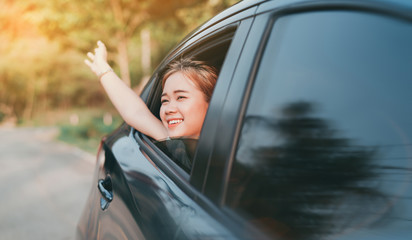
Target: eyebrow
[{"x": 176, "y": 91}]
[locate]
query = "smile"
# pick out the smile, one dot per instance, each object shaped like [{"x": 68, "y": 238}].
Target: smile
[{"x": 175, "y": 121}]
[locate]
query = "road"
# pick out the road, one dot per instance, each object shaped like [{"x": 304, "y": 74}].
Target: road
[{"x": 43, "y": 184}]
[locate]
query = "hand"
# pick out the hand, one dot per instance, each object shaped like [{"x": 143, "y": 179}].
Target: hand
[{"x": 99, "y": 63}]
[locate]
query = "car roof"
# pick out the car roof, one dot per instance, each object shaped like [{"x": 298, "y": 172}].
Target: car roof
[
  {"x": 227, "y": 13},
  {"x": 247, "y": 4},
  {"x": 240, "y": 10}
]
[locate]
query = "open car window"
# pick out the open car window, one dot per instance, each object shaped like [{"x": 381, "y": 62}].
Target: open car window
[{"x": 212, "y": 50}]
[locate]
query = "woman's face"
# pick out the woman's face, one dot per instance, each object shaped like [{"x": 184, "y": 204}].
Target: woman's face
[{"x": 183, "y": 107}]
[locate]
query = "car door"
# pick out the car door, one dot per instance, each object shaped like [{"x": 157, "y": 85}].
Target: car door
[
  {"x": 198, "y": 218},
  {"x": 110, "y": 211},
  {"x": 317, "y": 134}
]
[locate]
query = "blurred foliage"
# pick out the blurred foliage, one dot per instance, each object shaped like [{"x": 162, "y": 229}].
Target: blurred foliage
[
  {"x": 87, "y": 133},
  {"x": 43, "y": 80},
  {"x": 43, "y": 44}
]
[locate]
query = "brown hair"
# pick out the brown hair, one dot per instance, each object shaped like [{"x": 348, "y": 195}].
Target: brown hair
[{"x": 201, "y": 74}]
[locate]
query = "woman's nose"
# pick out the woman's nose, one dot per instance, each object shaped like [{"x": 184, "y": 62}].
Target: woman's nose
[{"x": 170, "y": 108}]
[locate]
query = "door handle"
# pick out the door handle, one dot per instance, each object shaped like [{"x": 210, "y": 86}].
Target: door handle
[{"x": 105, "y": 188}]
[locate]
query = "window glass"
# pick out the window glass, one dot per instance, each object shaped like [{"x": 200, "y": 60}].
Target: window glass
[
  {"x": 325, "y": 148},
  {"x": 180, "y": 150}
]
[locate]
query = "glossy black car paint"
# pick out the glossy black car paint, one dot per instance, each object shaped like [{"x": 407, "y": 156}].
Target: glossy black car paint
[{"x": 153, "y": 198}]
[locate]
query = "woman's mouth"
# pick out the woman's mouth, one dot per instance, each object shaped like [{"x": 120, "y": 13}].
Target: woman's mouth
[{"x": 174, "y": 122}]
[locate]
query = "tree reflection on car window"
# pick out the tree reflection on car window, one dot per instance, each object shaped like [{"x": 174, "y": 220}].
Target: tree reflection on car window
[
  {"x": 310, "y": 183},
  {"x": 325, "y": 149}
]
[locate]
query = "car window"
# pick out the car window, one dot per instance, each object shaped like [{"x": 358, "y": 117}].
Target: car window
[
  {"x": 211, "y": 50},
  {"x": 180, "y": 150},
  {"x": 325, "y": 146}
]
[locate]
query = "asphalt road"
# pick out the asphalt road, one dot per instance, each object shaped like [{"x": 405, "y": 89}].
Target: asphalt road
[{"x": 44, "y": 184}]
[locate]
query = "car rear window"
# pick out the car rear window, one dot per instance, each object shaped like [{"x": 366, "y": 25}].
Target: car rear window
[{"x": 325, "y": 148}]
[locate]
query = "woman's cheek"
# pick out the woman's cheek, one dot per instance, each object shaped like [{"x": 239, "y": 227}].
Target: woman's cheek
[{"x": 162, "y": 115}]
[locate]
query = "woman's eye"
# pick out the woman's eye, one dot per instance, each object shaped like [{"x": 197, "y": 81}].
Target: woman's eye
[
  {"x": 181, "y": 97},
  {"x": 164, "y": 101}
]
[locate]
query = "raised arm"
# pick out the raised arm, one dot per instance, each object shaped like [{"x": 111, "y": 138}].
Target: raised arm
[{"x": 129, "y": 105}]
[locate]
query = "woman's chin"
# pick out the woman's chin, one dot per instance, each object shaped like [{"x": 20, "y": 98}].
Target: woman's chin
[
  {"x": 179, "y": 134},
  {"x": 175, "y": 134}
]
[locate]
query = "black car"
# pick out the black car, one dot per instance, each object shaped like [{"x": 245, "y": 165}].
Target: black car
[{"x": 308, "y": 134}]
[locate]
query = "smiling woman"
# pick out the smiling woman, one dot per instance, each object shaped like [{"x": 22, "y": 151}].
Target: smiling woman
[{"x": 187, "y": 87}]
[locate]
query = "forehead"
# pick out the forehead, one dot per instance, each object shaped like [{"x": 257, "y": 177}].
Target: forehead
[{"x": 178, "y": 81}]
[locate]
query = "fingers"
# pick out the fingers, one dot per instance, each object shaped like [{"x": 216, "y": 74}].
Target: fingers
[
  {"x": 90, "y": 55},
  {"x": 88, "y": 63},
  {"x": 100, "y": 44},
  {"x": 100, "y": 47},
  {"x": 95, "y": 59},
  {"x": 101, "y": 50}
]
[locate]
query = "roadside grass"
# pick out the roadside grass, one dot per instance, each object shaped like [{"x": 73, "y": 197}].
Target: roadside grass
[{"x": 83, "y": 128}]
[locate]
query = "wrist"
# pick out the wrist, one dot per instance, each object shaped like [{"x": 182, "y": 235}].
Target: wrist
[{"x": 101, "y": 74}]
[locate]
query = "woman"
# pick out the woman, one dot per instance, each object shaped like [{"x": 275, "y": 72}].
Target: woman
[{"x": 187, "y": 88}]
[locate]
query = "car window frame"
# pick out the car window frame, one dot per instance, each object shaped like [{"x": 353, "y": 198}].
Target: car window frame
[
  {"x": 231, "y": 109},
  {"x": 219, "y": 37},
  {"x": 160, "y": 159}
]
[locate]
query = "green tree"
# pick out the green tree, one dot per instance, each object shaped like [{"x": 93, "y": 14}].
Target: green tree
[
  {"x": 116, "y": 21},
  {"x": 35, "y": 72},
  {"x": 43, "y": 44}
]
